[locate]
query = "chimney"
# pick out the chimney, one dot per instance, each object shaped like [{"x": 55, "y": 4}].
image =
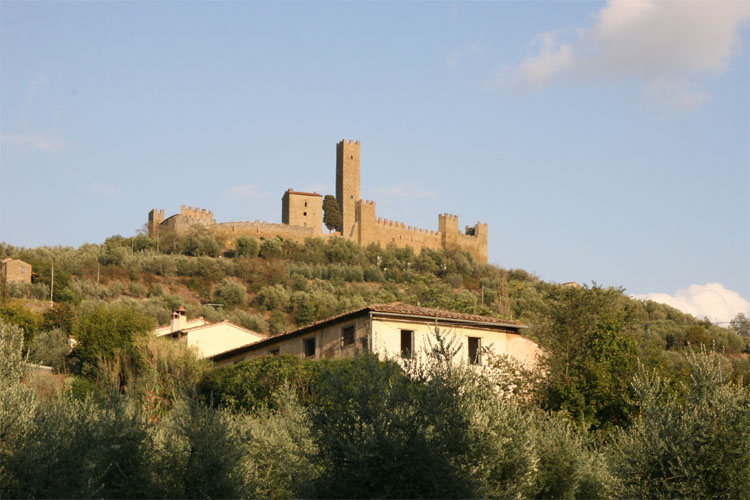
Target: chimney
[{"x": 179, "y": 319}]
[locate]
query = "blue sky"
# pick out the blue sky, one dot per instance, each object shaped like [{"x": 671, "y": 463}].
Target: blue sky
[{"x": 602, "y": 141}]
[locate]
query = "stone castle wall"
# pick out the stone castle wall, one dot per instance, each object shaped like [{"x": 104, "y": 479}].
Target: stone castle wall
[
  {"x": 302, "y": 218},
  {"x": 230, "y": 231}
]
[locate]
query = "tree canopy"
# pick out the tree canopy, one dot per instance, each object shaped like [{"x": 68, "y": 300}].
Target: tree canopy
[{"x": 331, "y": 213}]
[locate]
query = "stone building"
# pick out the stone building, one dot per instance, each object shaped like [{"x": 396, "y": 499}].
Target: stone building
[
  {"x": 15, "y": 271},
  {"x": 395, "y": 331},
  {"x": 302, "y": 218}
]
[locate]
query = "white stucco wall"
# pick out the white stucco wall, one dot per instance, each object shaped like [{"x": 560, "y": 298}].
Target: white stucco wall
[
  {"x": 219, "y": 337},
  {"x": 387, "y": 340}
]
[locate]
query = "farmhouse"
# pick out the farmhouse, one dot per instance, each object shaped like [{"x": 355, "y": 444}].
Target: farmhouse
[
  {"x": 206, "y": 338},
  {"x": 394, "y": 331}
]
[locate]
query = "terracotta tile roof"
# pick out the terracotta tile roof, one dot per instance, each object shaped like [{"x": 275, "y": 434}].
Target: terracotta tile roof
[
  {"x": 393, "y": 308},
  {"x": 409, "y": 310},
  {"x": 292, "y": 191}
]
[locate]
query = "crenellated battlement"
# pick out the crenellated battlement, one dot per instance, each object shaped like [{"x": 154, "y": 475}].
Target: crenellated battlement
[
  {"x": 393, "y": 224},
  {"x": 195, "y": 212},
  {"x": 302, "y": 216}
]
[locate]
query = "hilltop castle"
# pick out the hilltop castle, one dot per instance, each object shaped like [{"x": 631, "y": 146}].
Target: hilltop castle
[{"x": 302, "y": 217}]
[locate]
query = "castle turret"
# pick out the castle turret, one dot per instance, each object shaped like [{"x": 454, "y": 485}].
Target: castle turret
[
  {"x": 347, "y": 184},
  {"x": 448, "y": 228},
  {"x": 155, "y": 217},
  {"x": 303, "y": 210}
]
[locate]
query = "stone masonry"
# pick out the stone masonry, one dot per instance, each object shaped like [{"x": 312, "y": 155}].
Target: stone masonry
[
  {"x": 15, "y": 271},
  {"x": 302, "y": 216}
]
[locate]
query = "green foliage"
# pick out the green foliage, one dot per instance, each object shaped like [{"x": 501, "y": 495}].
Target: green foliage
[
  {"x": 253, "y": 385},
  {"x": 331, "y": 213},
  {"x": 272, "y": 298},
  {"x": 199, "y": 448},
  {"x": 590, "y": 360},
  {"x": 15, "y": 313},
  {"x": 38, "y": 290},
  {"x": 386, "y": 438},
  {"x": 107, "y": 330},
  {"x": 741, "y": 325},
  {"x": 279, "y": 462},
  {"x": 60, "y": 315},
  {"x": 230, "y": 293},
  {"x": 63, "y": 280},
  {"x": 200, "y": 242},
  {"x": 278, "y": 322},
  {"x": 247, "y": 246},
  {"x": 271, "y": 248},
  {"x": 254, "y": 322},
  {"x": 17, "y": 401},
  {"x": 76, "y": 449},
  {"x": 688, "y": 445},
  {"x": 50, "y": 348}
]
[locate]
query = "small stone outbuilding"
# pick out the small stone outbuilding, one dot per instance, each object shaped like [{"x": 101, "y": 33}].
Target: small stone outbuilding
[{"x": 15, "y": 271}]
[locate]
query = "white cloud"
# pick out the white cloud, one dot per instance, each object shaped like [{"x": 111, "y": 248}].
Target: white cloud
[
  {"x": 34, "y": 141},
  {"x": 711, "y": 300},
  {"x": 669, "y": 45},
  {"x": 244, "y": 191},
  {"x": 408, "y": 190}
]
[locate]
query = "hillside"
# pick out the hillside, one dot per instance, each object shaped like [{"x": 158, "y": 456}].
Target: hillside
[
  {"x": 630, "y": 402},
  {"x": 275, "y": 285}
]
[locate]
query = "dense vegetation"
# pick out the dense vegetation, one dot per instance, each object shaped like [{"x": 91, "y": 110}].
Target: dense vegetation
[{"x": 635, "y": 399}]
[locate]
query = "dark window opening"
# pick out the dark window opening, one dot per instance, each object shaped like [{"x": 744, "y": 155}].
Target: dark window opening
[
  {"x": 274, "y": 352},
  {"x": 347, "y": 335},
  {"x": 305, "y": 204},
  {"x": 304, "y": 213},
  {"x": 407, "y": 343},
  {"x": 308, "y": 347},
  {"x": 351, "y": 157},
  {"x": 475, "y": 351}
]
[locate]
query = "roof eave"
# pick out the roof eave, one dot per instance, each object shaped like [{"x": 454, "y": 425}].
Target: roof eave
[{"x": 449, "y": 320}]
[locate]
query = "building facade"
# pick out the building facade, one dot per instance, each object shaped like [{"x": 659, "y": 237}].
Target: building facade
[
  {"x": 302, "y": 218},
  {"x": 395, "y": 331},
  {"x": 15, "y": 271},
  {"x": 205, "y": 338}
]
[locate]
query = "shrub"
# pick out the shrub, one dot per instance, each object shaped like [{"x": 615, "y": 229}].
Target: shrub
[
  {"x": 252, "y": 385},
  {"x": 137, "y": 289},
  {"x": 271, "y": 298},
  {"x": 107, "y": 330},
  {"x": 14, "y": 313},
  {"x": 230, "y": 293},
  {"x": 254, "y": 322},
  {"x": 247, "y": 246},
  {"x": 692, "y": 445},
  {"x": 278, "y": 322},
  {"x": 271, "y": 248},
  {"x": 50, "y": 348}
]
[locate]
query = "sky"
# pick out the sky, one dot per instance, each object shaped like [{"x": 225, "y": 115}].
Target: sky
[{"x": 602, "y": 142}]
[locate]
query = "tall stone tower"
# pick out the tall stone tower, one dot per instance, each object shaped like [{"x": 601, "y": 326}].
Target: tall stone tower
[{"x": 347, "y": 184}]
